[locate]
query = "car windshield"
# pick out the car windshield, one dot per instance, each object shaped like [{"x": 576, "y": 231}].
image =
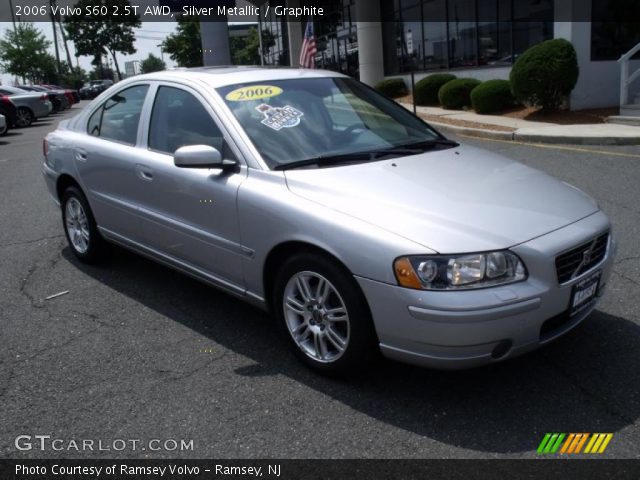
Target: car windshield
[{"x": 304, "y": 120}]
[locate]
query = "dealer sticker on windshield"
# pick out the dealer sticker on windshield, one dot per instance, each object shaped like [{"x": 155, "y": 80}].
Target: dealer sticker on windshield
[
  {"x": 254, "y": 92},
  {"x": 278, "y": 118}
]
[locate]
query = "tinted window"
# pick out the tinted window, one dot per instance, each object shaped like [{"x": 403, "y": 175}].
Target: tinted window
[
  {"x": 118, "y": 118},
  {"x": 179, "y": 119}
]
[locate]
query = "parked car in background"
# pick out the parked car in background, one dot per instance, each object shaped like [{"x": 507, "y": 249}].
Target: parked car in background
[
  {"x": 98, "y": 86},
  {"x": 85, "y": 91},
  {"x": 30, "y": 105},
  {"x": 68, "y": 93},
  {"x": 58, "y": 98},
  {"x": 359, "y": 226},
  {"x": 3, "y": 125},
  {"x": 75, "y": 96},
  {"x": 8, "y": 110}
]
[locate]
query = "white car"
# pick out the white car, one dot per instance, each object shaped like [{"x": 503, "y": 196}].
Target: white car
[{"x": 3, "y": 125}]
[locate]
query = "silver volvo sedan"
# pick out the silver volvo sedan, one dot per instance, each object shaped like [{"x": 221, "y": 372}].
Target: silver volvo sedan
[{"x": 360, "y": 227}]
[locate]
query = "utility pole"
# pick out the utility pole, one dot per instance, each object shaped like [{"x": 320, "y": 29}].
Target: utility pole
[
  {"x": 64, "y": 38},
  {"x": 55, "y": 35},
  {"x": 13, "y": 14}
]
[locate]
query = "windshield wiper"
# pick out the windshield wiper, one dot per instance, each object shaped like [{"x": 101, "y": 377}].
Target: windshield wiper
[
  {"x": 326, "y": 161},
  {"x": 397, "y": 151},
  {"x": 429, "y": 144}
]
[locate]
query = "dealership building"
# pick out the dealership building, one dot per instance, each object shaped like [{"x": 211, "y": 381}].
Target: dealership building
[{"x": 376, "y": 39}]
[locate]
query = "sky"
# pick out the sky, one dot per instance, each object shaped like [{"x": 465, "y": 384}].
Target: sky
[{"x": 148, "y": 37}]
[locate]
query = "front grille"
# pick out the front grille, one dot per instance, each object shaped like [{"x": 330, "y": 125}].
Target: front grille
[{"x": 581, "y": 259}]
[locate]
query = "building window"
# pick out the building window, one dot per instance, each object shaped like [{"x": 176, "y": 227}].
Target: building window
[
  {"x": 336, "y": 37},
  {"x": 443, "y": 34},
  {"x": 275, "y": 37},
  {"x": 612, "y": 35}
]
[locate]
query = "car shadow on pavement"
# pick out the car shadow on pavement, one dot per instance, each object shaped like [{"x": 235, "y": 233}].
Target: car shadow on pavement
[{"x": 588, "y": 381}]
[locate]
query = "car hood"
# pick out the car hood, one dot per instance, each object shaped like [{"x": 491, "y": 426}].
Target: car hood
[{"x": 451, "y": 201}]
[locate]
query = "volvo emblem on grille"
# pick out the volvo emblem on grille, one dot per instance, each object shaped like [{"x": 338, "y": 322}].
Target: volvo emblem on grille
[{"x": 586, "y": 258}]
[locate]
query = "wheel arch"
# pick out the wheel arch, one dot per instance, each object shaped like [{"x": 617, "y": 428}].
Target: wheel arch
[
  {"x": 65, "y": 181},
  {"x": 280, "y": 253}
]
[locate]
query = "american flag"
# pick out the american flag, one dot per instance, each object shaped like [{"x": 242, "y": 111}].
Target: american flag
[{"x": 309, "y": 48}]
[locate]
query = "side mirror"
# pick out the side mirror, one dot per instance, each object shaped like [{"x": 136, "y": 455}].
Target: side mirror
[{"x": 200, "y": 156}]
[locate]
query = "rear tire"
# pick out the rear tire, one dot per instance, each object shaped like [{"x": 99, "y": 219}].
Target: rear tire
[
  {"x": 324, "y": 315},
  {"x": 24, "y": 117},
  {"x": 80, "y": 228}
]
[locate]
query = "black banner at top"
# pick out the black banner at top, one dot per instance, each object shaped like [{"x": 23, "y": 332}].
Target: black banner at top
[{"x": 335, "y": 12}]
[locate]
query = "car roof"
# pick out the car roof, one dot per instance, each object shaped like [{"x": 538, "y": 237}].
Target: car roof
[{"x": 224, "y": 76}]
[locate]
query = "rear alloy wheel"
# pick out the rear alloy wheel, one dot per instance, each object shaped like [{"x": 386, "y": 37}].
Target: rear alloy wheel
[
  {"x": 325, "y": 315},
  {"x": 80, "y": 228},
  {"x": 24, "y": 117}
]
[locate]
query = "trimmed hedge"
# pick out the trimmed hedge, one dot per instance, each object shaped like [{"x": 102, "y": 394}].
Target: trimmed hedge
[
  {"x": 426, "y": 91},
  {"x": 392, "y": 87},
  {"x": 456, "y": 94},
  {"x": 545, "y": 74},
  {"x": 492, "y": 96}
]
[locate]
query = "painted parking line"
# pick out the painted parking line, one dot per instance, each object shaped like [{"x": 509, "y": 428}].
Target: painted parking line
[{"x": 555, "y": 147}]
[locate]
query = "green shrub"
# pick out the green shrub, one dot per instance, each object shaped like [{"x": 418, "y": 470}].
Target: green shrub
[
  {"x": 545, "y": 74},
  {"x": 426, "y": 91},
  {"x": 492, "y": 96},
  {"x": 456, "y": 94},
  {"x": 392, "y": 87}
]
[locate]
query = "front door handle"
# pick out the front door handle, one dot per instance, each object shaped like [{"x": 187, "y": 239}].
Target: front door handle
[{"x": 144, "y": 173}]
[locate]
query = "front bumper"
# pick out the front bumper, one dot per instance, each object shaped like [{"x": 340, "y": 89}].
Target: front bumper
[{"x": 463, "y": 329}]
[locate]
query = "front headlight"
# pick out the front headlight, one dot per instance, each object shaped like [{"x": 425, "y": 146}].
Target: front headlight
[{"x": 458, "y": 272}]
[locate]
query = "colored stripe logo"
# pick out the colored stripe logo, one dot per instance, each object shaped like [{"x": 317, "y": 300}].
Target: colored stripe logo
[{"x": 574, "y": 443}]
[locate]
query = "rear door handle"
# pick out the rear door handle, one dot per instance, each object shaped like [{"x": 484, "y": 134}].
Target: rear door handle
[
  {"x": 144, "y": 173},
  {"x": 81, "y": 155}
]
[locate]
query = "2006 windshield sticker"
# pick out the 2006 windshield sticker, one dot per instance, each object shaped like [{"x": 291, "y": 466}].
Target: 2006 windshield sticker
[
  {"x": 254, "y": 92},
  {"x": 278, "y": 118}
]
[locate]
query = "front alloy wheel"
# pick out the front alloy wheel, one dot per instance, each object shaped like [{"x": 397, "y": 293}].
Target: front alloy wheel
[
  {"x": 316, "y": 317},
  {"x": 324, "y": 314}
]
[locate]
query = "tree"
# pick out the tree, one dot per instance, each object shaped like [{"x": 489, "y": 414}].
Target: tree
[
  {"x": 23, "y": 52},
  {"x": 246, "y": 50},
  {"x": 185, "y": 46},
  {"x": 152, "y": 64},
  {"x": 98, "y": 35}
]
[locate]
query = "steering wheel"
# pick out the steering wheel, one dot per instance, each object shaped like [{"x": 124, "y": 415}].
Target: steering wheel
[{"x": 352, "y": 128}]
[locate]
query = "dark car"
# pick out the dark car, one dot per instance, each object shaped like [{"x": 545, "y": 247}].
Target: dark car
[
  {"x": 66, "y": 91},
  {"x": 74, "y": 93},
  {"x": 9, "y": 110},
  {"x": 98, "y": 86},
  {"x": 85, "y": 91},
  {"x": 58, "y": 98}
]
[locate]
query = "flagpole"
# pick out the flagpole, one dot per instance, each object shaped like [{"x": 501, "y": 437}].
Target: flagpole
[{"x": 260, "y": 37}]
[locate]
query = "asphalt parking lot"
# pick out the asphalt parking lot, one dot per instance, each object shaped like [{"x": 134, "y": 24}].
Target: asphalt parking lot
[{"x": 137, "y": 351}]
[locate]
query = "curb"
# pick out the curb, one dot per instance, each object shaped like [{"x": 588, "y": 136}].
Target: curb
[
  {"x": 573, "y": 140},
  {"x": 529, "y": 138},
  {"x": 534, "y": 138},
  {"x": 474, "y": 132}
]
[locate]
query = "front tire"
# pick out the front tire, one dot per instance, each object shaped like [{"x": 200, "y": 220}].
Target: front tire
[
  {"x": 80, "y": 228},
  {"x": 324, "y": 315},
  {"x": 24, "y": 117}
]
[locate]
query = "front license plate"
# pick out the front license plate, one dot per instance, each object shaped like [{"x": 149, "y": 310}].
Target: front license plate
[{"x": 584, "y": 293}]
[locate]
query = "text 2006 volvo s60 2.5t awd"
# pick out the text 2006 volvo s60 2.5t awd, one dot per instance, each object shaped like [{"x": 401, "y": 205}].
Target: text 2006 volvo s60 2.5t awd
[{"x": 359, "y": 226}]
